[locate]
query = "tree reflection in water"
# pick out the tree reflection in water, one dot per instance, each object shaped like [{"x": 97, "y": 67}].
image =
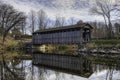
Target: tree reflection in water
[
  {"x": 10, "y": 72},
  {"x": 17, "y": 69},
  {"x": 105, "y": 72},
  {"x": 59, "y": 76}
]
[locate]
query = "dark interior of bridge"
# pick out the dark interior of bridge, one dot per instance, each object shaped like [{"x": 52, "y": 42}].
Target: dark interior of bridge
[{"x": 86, "y": 34}]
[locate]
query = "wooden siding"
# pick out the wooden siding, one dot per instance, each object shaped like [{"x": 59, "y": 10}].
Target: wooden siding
[
  {"x": 74, "y": 34},
  {"x": 69, "y": 62},
  {"x": 60, "y": 37}
]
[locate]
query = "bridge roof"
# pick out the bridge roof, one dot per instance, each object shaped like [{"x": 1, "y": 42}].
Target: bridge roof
[{"x": 83, "y": 25}]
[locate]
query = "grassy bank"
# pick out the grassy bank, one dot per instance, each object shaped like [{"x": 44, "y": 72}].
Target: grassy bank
[
  {"x": 109, "y": 42},
  {"x": 9, "y": 55},
  {"x": 103, "y": 43},
  {"x": 11, "y": 43},
  {"x": 59, "y": 49}
]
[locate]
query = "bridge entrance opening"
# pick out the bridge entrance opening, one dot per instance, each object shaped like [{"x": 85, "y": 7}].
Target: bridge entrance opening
[{"x": 86, "y": 35}]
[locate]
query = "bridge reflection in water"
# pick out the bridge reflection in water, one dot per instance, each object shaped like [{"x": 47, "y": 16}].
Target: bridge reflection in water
[
  {"x": 74, "y": 63},
  {"x": 79, "y": 65},
  {"x": 90, "y": 70}
]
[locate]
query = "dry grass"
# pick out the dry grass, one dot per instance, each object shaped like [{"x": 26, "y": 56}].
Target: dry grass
[
  {"x": 59, "y": 49},
  {"x": 9, "y": 43},
  {"x": 9, "y": 55}
]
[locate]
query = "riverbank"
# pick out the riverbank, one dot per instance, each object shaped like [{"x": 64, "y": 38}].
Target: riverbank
[
  {"x": 10, "y": 42},
  {"x": 14, "y": 44},
  {"x": 13, "y": 48},
  {"x": 10, "y": 55},
  {"x": 103, "y": 44}
]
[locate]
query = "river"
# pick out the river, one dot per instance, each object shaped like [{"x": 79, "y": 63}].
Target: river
[{"x": 27, "y": 71}]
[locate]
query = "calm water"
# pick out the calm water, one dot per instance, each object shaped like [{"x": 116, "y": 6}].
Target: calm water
[{"x": 27, "y": 71}]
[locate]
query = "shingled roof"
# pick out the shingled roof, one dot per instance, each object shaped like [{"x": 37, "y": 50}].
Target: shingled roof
[{"x": 83, "y": 25}]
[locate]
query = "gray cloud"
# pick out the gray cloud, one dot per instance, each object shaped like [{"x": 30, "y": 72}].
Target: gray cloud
[{"x": 78, "y": 9}]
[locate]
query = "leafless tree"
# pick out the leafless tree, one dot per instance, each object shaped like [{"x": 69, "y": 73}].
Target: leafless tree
[
  {"x": 19, "y": 29},
  {"x": 106, "y": 8},
  {"x": 59, "y": 21},
  {"x": 9, "y": 18},
  {"x": 94, "y": 32},
  {"x": 117, "y": 30},
  {"x": 98, "y": 28},
  {"x": 63, "y": 21},
  {"x": 71, "y": 21},
  {"x": 42, "y": 20},
  {"x": 32, "y": 21},
  {"x": 23, "y": 27}
]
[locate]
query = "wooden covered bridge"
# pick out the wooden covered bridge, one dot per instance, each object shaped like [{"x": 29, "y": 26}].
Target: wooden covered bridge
[{"x": 73, "y": 34}]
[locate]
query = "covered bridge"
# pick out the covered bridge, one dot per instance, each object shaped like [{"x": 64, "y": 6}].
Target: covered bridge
[{"x": 73, "y": 34}]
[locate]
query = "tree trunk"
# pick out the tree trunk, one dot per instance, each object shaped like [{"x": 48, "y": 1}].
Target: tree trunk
[{"x": 110, "y": 35}]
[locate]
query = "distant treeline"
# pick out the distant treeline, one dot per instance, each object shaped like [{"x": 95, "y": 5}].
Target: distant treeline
[{"x": 100, "y": 31}]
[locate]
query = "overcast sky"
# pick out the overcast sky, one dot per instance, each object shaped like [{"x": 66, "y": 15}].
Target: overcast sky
[{"x": 79, "y": 9}]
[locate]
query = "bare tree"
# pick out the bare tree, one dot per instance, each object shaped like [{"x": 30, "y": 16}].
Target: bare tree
[
  {"x": 23, "y": 27},
  {"x": 9, "y": 18},
  {"x": 32, "y": 21},
  {"x": 117, "y": 30},
  {"x": 98, "y": 28},
  {"x": 42, "y": 20},
  {"x": 59, "y": 21},
  {"x": 71, "y": 21},
  {"x": 94, "y": 32},
  {"x": 19, "y": 29},
  {"x": 106, "y": 8},
  {"x": 63, "y": 21}
]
